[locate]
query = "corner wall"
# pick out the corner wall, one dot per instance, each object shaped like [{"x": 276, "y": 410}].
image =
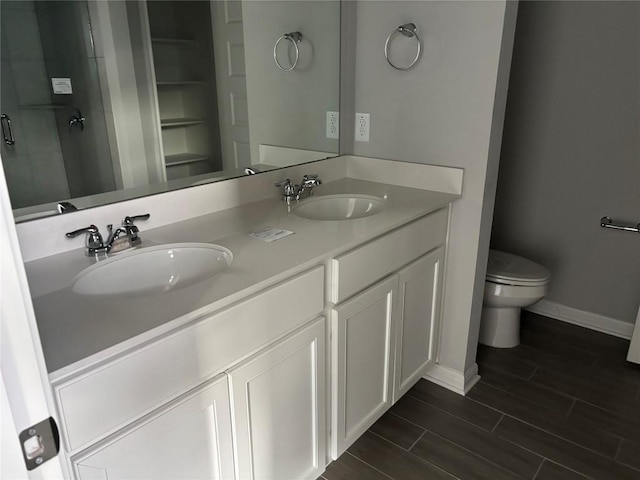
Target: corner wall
[
  {"x": 571, "y": 154},
  {"x": 444, "y": 111}
]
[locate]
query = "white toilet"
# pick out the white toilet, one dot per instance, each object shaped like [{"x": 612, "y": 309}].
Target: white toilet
[{"x": 511, "y": 283}]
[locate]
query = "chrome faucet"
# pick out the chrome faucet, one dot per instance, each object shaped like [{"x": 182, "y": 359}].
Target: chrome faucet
[
  {"x": 131, "y": 229},
  {"x": 288, "y": 190},
  {"x": 308, "y": 182},
  {"x": 122, "y": 238},
  {"x": 93, "y": 243},
  {"x": 292, "y": 192}
]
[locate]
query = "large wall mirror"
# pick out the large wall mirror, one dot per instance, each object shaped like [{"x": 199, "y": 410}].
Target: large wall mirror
[{"x": 104, "y": 101}]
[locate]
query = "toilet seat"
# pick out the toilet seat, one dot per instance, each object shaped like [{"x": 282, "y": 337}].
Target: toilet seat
[{"x": 508, "y": 269}]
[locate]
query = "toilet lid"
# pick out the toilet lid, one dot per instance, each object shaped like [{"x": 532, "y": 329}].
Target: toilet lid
[{"x": 509, "y": 269}]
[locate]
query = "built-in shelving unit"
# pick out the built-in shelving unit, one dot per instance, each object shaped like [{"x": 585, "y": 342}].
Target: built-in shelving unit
[
  {"x": 184, "y": 158},
  {"x": 174, "y": 41},
  {"x": 170, "y": 83},
  {"x": 46, "y": 106},
  {"x": 180, "y": 122},
  {"x": 182, "y": 50}
]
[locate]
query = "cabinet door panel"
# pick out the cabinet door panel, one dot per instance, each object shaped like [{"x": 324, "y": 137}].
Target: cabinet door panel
[
  {"x": 362, "y": 349},
  {"x": 190, "y": 438},
  {"x": 417, "y": 320},
  {"x": 278, "y": 399}
]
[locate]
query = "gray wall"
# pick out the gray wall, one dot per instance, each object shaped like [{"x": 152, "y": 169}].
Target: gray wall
[
  {"x": 289, "y": 108},
  {"x": 442, "y": 112},
  {"x": 571, "y": 152}
]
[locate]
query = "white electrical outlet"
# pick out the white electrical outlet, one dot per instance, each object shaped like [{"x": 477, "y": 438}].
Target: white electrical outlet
[
  {"x": 333, "y": 125},
  {"x": 362, "y": 127}
]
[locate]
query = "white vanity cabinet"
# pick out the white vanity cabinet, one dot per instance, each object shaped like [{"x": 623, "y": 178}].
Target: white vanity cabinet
[
  {"x": 188, "y": 438},
  {"x": 278, "y": 401},
  {"x": 241, "y": 392},
  {"x": 274, "y": 402},
  {"x": 385, "y": 337}
]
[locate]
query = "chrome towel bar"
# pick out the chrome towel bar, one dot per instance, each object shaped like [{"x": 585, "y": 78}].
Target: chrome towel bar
[{"x": 606, "y": 222}]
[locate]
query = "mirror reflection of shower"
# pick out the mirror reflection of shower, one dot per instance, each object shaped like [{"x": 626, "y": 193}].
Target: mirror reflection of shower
[{"x": 51, "y": 97}]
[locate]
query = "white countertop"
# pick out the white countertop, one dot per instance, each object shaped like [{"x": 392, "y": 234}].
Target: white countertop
[{"x": 80, "y": 331}]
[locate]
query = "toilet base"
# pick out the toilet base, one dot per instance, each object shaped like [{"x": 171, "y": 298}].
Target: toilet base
[{"x": 500, "y": 327}]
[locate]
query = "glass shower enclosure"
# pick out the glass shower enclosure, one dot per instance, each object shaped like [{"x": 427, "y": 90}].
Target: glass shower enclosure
[{"x": 55, "y": 144}]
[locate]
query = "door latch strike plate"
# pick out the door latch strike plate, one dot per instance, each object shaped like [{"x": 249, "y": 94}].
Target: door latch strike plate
[{"x": 39, "y": 443}]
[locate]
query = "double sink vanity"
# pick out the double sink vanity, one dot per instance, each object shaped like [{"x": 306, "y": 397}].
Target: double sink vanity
[{"x": 257, "y": 341}]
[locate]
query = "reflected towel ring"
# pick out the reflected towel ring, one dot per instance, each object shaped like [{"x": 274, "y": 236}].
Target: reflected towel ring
[
  {"x": 295, "y": 38},
  {"x": 408, "y": 30}
]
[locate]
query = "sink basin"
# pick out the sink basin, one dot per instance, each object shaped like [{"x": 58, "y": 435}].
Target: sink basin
[
  {"x": 339, "y": 207},
  {"x": 153, "y": 270}
]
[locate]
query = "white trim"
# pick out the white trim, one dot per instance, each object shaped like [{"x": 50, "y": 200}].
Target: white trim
[
  {"x": 593, "y": 321},
  {"x": 634, "y": 348},
  {"x": 453, "y": 379},
  {"x": 22, "y": 366}
]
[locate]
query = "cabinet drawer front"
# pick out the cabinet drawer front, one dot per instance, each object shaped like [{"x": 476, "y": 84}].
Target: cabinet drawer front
[
  {"x": 355, "y": 270},
  {"x": 101, "y": 401}
]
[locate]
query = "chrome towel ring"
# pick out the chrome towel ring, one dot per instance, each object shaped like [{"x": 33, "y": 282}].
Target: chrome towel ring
[
  {"x": 295, "y": 38},
  {"x": 408, "y": 30}
]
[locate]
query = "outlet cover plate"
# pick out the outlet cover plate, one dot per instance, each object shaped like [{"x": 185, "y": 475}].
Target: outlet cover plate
[
  {"x": 363, "y": 122},
  {"x": 333, "y": 125}
]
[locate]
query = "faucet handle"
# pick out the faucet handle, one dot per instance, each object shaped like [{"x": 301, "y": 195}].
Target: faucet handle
[
  {"x": 91, "y": 229},
  {"x": 93, "y": 242},
  {"x": 284, "y": 183},
  {"x": 311, "y": 179},
  {"x": 128, "y": 221},
  {"x": 131, "y": 229},
  {"x": 289, "y": 190}
]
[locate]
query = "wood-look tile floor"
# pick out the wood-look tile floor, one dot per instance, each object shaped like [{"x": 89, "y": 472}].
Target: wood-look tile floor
[{"x": 562, "y": 405}]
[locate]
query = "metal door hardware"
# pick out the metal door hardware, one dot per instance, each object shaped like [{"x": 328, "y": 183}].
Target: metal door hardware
[
  {"x": 40, "y": 443},
  {"x": 7, "y": 131},
  {"x": 77, "y": 119}
]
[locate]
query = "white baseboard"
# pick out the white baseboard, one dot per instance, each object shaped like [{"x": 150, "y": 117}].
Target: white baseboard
[
  {"x": 453, "y": 379},
  {"x": 600, "y": 323}
]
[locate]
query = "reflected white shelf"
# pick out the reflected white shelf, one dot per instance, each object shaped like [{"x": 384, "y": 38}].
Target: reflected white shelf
[
  {"x": 184, "y": 158},
  {"x": 181, "y": 122},
  {"x": 186, "y": 42},
  {"x": 170, "y": 83},
  {"x": 48, "y": 106}
]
